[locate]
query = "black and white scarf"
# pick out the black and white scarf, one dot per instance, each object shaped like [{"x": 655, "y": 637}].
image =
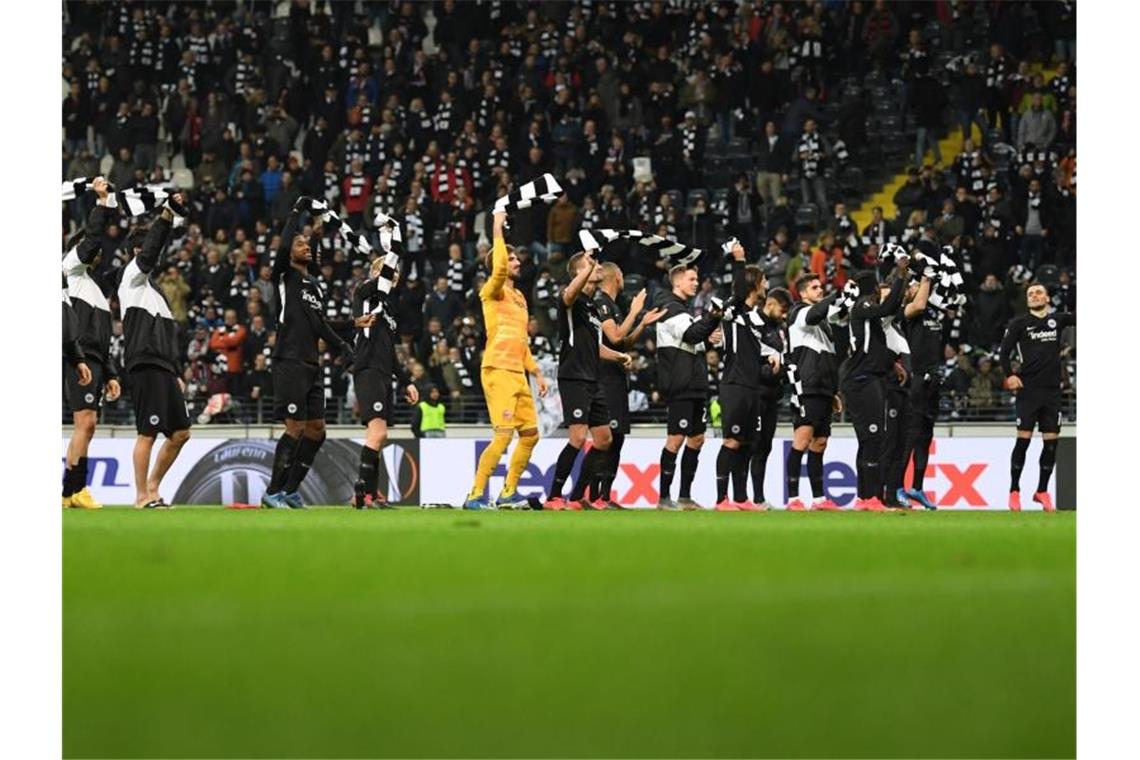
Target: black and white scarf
[
  {"x": 545, "y": 189},
  {"x": 135, "y": 200},
  {"x": 673, "y": 252}
]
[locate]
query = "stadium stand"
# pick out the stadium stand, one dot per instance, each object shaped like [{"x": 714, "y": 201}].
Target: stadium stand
[{"x": 646, "y": 112}]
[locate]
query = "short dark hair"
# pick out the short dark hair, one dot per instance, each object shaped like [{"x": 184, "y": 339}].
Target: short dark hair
[
  {"x": 781, "y": 296},
  {"x": 575, "y": 260},
  {"x": 677, "y": 271},
  {"x": 804, "y": 280},
  {"x": 1037, "y": 284},
  {"x": 753, "y": 275}
]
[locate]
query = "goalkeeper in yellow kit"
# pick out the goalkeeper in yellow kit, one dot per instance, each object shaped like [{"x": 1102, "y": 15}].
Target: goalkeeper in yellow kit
[{"x": 506, "y": 360}]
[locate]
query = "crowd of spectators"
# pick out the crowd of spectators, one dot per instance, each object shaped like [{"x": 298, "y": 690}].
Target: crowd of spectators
[{"x": 429, "y": 111}]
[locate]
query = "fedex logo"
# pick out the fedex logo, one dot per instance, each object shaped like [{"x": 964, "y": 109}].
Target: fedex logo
[
  {"x": 110, "y": 468},
  {"x": 840, "y": 482}
]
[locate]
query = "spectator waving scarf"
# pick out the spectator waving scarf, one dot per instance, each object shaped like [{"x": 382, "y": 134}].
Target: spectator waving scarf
[
  {"x": 136, "y": 200},
  {"x": 673, "y": 252}
]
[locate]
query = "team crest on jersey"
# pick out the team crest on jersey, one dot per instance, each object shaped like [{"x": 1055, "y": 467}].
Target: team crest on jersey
[
  {"x": 577, "y": 413},
  {"x": 683, "y": 424},
  {"x": 292, "y": 408},
  {"x": 1052, "y": 323},
  {"x": 89, "y": 397},
  {"x": 874, "y": 428},
  {"x": 378, "y": 406},
  {"x": 893, "y": 413},
  {"x": 614, "y": 424},
  {"x": 154, "y": 419},
  {"x": 736, "y": 428}
]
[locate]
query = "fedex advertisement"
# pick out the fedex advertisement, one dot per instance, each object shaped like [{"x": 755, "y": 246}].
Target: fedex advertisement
[{"x": 963, "y": 473}]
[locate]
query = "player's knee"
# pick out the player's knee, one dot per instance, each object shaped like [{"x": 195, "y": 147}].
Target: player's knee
[
  {"x": 577, "y": 436},
  {"x": 603, "y": 439},
  {"x": 818, "y": 444},
  {"x": 179, "y": 437},
  {"x": 294, "y": 428},
  {"x": 530, "y": 435},
  {"x": 85, "y": 423},
  {"x": 314, "y": 428},
  {"x": 731, "y": 443},
  {"x": 696, "y": 441},
  {"x": 673, "y": 442}
]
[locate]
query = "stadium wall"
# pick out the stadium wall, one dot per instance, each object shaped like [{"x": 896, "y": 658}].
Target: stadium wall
[{"x": 968, "y": 468}]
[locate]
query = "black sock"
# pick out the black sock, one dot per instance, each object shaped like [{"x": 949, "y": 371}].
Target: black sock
[
  {"x": 68, "y": 478},
  {"x": 594, "y": 459},
  {"x": 306, "y": 452},
  {"x": 688, "y": 471},
  {"x": 815, "y": 473},
  {"x": 1047, "y": 460},
  {"x": 562, "y": 470},
  {"x": 1017, "y": 463},
  {"x": 369, "y": 468},
  {"x": 282, "y": 461},
  {"x": 79, "y": 475},
  {"x": 740, "y": 474},
  {"x": 725, "y": 466},
  {"x": 795, "y": 465},
  {"x": 920, "y": 444},
  {"x": 872, "y": 478},
  {"x": 668, "y": 466},
  {"x": 610, "y": 468},
  {"x": 761, "y": 450}
]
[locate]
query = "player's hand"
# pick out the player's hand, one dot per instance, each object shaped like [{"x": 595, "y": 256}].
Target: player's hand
[
  {"x": 717, "y": 337},
  {"x": 638, "y": 302},
  {"x": 737, "y": 251},
  {"x": 626, "y": 362},
  {"x": 99, "y": 185},
  {"x": 652, "y": 316},
  {"x": 364, "y": 321},
  {"x": 112, "y": 390},
  {"x": 412, "y": 394},
  {"x": 182, "y": 385},
  {"x": 774, "y": 362},
  {"x": 900, "y": 373},
  {"x": 84, "y": 373},
  {"x": 543, "y": 386},
  {"x": 1013, "y": 383},
  {"x": 837, "y": 404},
  {"x": 498, "y": 221}
]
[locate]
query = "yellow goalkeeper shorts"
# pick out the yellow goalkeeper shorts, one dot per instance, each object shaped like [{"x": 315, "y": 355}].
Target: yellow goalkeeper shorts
[{"x": 508, "y": 399}]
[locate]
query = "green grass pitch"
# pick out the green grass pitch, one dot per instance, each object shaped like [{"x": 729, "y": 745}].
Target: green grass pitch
[{"x": 334, "y": 633}]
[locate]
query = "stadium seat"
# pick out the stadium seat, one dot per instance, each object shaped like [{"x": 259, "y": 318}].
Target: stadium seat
[
  {"x": 738, "y": 146},
  {"x": 851, "y": 180},
  {"x": 183, "y": 179},
  {"x": 807, "y": 217}
]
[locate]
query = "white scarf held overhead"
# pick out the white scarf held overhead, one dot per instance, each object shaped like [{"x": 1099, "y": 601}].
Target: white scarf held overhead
[
  {"x": 135, "y": 200},
  {"x": 545, "y": 189}
]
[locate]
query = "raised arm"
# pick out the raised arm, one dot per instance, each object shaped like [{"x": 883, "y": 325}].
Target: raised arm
[
  {"x": 493, "y": 287},
  {"x": 918, "y": 305},
  {"x": 700, "y": 329},
  {"x": 292, "y": 225},
  {"x": 155, "y": 241},
  {"x": 818, "y": 312},
  {"x": 886, "y": 307},
  {"x": 97, "y": 220},
  {"x": 574, "y": 288}
]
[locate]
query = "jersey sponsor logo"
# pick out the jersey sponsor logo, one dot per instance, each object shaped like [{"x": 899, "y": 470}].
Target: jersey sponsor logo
[
  {"x": 377, "y": 406},
  {"x": 154, "y": 419},
  {"x": 1042, "y": 335},
  {"x": 311, "y": 299}
]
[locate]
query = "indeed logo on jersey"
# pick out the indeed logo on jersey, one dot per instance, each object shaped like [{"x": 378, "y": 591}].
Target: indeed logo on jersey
[
  {"x": 311, "y": 298},
  {"x": 1043, "y": 335},
  {"x": 947, "y": 484}
]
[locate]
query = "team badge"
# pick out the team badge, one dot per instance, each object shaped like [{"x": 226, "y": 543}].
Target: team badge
[
  {"x": 893, "y": 413},
  {"x": 614, "y": 424},
  {"x": 292, "y": 408},
  {"x": 874, "y": 428},
  {"x": 683, "y": 424},
  {"x": 154, "y": 419},
  {"x": 577, "y": 414},
  {"x": 736, "y": 428},
  {"x": 89, "y": 397},
  {"x": 1052, "y": 323},
  {"x": 377, "y": 406}
]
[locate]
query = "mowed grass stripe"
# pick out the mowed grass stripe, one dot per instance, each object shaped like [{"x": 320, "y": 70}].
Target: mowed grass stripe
[{"x": 425, "y": 633}]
